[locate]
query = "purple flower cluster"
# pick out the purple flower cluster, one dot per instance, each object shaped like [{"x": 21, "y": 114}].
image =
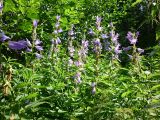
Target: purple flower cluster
[
  {"x": 71, "y": 49},
  {"x": 56, "y": 41},
  {"x": 114, "y": 36},
  {"x": 104, "y": 36},
  {"x": 132, "y": 37},
  {"x": 38, "y": 45},
  {"x": 39, "y": 48},
  {"x": 82, "y": 52},
  {"x": 98, "y": 23},
  {"x": 97, "y": 46},
  {"x": 71, "y": 33},
  {"x": 114, "y": 42},
  {"x": 106, "y": 42},
  {"x": 117, "y": 49},
  {"x": 77, "y": 77},
  {"x": 57, "y": 25},
  {"x": 84, "y": 49}
]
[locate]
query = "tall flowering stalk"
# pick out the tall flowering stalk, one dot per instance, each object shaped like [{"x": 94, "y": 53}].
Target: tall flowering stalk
[
  {"x": 71, "y": 49},
  {"x": 98, "y": 23},
  {"x": 55, "y": 40},
  {"x": 82, "y": 53},
  {"x": 133, "y": 38},
  {"x": 97, "y": 46},
  {"x": 115, "y": 45},
  {"x": 36, "y": 43}
]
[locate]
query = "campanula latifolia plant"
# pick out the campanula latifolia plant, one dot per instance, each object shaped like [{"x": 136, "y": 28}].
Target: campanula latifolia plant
[{"x": 62, "y": 71}]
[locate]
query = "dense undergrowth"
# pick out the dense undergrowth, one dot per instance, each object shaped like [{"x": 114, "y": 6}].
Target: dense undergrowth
[{"x": 79, "y": 75}]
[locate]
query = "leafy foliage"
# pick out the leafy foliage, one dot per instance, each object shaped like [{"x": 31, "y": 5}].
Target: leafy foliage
[{"x": 71, "y": 67}]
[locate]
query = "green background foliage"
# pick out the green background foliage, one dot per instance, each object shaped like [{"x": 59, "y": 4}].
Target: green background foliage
[{"x": 44, "y": 89}]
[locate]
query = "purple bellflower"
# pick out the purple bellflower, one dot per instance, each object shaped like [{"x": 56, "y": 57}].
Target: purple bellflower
[
  {"x": 78, "y": 63},
  {"x": 98, "y": 20},
  {"x": 70, "y": 62},
  {"x": 140, "y": 50},
  {"x": 57, "y": 41},
  {"x": 28, "y": 49},
  {"x": 39, "y": 48},
  {"x": 117, "y": 49},
  {"x": 37, "y": 42},
  {"x": 77, "y": 77},
  {"x": 28, "y": 43},
  {"x": 110, "y": 25},
  {"x": 114, "y": 36},
  {"x": 132, "y": 37},
  {"x": 71, "y": 32},
  {"x": 3, "y": 37},
  {"x": 84, "y": 49},
  {"x": 104, "y": 36},
  {"x": 97, "y": 45},
  {"x": 58, "y": 17},
  {"x": 38, "y": 56},
  {"x": 98, "y": 23},
  {"x": 71, "y": 51},
  {"x": 1, "y": 6},
  {"x": 35, "y": 23},
  {"x": 93, "y": 84},
  {"x": 91, "y": 32},
  {"x": 22, "y": 44},
  {"x": 37, "y": 45},
  {"x": 127, "y": 48}
]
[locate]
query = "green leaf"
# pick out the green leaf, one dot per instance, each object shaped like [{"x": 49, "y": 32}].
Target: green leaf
[
  {"x": 126, "y": 94},
  {"x": 34, "y": 104},
  {"x": 30, "y": 96},
  {"x": 136, "y": 2},
  {"x": 24, "y": 84},
  {"x": 155, "y": 87}
]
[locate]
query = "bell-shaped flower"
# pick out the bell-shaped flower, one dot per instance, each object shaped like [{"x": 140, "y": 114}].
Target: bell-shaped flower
[
  {"x": 3, "y": 37},
  {"x": 35, "y": 23},
  {"x": 38, "y": 56},
  {"x": 22, "y": 44}
]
